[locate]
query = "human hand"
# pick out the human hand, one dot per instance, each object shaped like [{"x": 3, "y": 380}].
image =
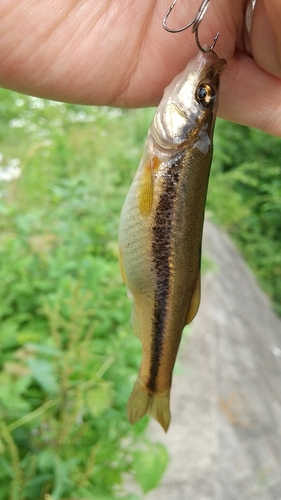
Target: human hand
[{"x": 117, "y": 53}]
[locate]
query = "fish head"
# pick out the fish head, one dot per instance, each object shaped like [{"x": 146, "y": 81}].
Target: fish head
[{"x": 188, "y": 108}]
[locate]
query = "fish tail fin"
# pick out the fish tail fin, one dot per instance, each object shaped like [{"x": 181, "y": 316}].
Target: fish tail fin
[{"x": 140, "y": 403}]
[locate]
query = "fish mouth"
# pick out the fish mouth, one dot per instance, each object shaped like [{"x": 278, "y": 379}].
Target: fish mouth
[{"x": 213, "y": 67}]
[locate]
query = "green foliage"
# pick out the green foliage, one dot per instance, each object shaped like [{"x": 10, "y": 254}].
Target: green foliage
[
  {"x": 149, "y": 467},
  {"x": 68, "y": 357},
  {"x": 245, "y": 197}
]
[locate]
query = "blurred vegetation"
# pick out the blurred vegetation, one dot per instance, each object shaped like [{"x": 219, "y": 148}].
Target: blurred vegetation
[
  {"x": 68, "y": 357},
  {"x": 245, "y": 198}
]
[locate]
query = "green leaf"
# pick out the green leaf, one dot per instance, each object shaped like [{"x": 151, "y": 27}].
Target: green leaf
[
  {"x": 95, "y": 493},
  {"x": 43, "y": 372},
  {"x": 8, "y": 333},
  {"x": 98, "y": 399},
  {"x": 10, "y": 396},
  {"x": 149, "y": 466}
]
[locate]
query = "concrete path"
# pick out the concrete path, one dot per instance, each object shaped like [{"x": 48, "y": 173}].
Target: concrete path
[{"x": 225, "y": 436}]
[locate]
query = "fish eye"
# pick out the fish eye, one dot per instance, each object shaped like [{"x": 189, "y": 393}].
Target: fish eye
[{"x": 205, "y": 94}]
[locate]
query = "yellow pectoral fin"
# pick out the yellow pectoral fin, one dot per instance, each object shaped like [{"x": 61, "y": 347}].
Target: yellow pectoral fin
[
  {"x": 121, "y": 265},
  {"x": 145, "y": 194},
  {"x": 195, "y": 301}
]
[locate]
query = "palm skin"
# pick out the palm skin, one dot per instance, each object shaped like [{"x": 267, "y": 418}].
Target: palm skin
[{"x": 116, "y": 52}]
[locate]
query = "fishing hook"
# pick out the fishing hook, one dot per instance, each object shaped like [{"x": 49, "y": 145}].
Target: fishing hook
[{"x": 195, "y": 23}]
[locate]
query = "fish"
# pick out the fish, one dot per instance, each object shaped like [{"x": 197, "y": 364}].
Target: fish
[{"x": 160, "y": 230}]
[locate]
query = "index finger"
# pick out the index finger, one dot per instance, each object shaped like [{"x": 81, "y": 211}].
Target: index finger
[{"x": 266, "y": 36}]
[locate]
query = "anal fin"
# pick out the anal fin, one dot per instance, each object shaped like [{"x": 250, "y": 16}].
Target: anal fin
[{"x": 195, "y": 301}]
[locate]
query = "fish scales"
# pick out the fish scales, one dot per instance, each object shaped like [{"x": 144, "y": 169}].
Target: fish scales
[
  {"x": 161, "y": 229},
  {"x": 175, "y": 277}
]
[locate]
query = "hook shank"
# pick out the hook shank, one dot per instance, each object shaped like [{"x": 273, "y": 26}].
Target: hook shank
[{"x": 194, "y": 23}]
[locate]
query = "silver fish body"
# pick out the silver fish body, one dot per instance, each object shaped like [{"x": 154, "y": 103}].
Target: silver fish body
[{"x": 161, "y": 225}]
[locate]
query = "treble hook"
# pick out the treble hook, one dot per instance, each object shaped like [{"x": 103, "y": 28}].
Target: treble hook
[{"x": 195, "y": 23}]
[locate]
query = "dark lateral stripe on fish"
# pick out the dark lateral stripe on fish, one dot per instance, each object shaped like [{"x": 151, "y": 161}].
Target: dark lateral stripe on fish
[{"x": 161, "y": 251}]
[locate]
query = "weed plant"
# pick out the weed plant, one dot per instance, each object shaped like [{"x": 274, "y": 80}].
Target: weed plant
[
  {"x": 68, "y": 358},
  {"x": 245, "y": 198}
]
